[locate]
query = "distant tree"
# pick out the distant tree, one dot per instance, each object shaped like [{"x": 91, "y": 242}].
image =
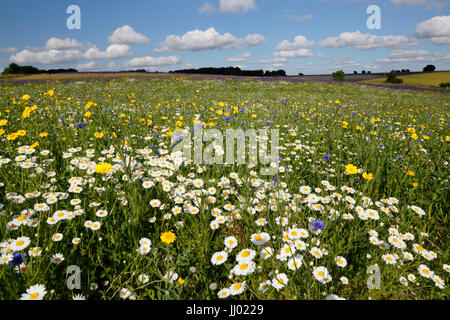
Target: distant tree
[
  {"x": 301, "y": 74},
  {"x": 429, "y": 68},
  {"x": 407, "y": 70},
  {"x": 338, "y": 75},
  {"x": 369, "y": 72},
  {"x": 392, "y": 78},
  {"x": 355, "y": 72},
  {"x": 363, "y": 72}
]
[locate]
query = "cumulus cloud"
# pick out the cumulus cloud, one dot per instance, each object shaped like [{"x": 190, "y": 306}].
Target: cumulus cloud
[
  {"x": 236, "y": 6},
  {"x": 206, "y": 8},
  {"x": 437, "y": 29},
  {"x": 291, "y": 54},
  {"x": 47, "y": 57},
  {"x": 127, "y": 35},
  {"x": 149, "y": 62},
  {"x": 9, "y": 50},
  {"x": 198, "y": 40},
  {"x": 403, "y": 56},
  {"x": 89, "y": 66},
  {"x": 113, "y": 51},
  {"x": 300, "y": 42},
  {"x": 239, "y": 58},
  {"x": 254, "y": 39},
  {"x": 63, "y": 44},
  {"x": 366, "y": 41}
]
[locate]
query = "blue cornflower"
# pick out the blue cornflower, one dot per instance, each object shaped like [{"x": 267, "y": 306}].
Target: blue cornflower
[
  {"x": 317, "y": 224},
  {"x": 80, "y": 124},
  {"x": 326, "y": 156},
  {"x": 17, "y": 258}
]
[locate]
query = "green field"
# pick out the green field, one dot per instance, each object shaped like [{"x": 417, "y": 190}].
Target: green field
[
  {"x": 425, "y": 80},
  {"x": 89, "y": 179}
]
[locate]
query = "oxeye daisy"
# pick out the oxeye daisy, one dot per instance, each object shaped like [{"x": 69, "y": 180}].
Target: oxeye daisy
[
  {"x": 244, "y": 268},
  {"x": 57, "y": 258},
  {"x": 237, "y": 288},
  {"x": 35, "y": 292},
  {"x": 101, "y": 213},
  {"x": 57, "y": 237},
  {"x": 344, "y": 280},
  {"x": 341, "y": 261},
  {"x": 20, "y": 243},
  {"x": 264, "y": 286},
  {"x": 143, "y": 278},
  {"x": 230, "y": 242},
  {"x": 224, "y": 293},
  {"x": 245, "y": 255},
  {"x": 295, "y": 262},
  {"x": 280, "y": 281},
  {"x": 425, "y": 272},
  {"x": 219, "y": 257}
]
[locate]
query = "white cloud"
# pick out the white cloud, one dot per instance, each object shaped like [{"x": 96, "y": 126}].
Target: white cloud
[
  {"x": 254, "y": 39},
  {"x": 437, "y": 29},
  {"x": 299, "y": 19},
  {"x": 150, "y": 62},
  {"x": 47, "y": 57},
  {"x": 127, "y": 35},
  {"x": 206, "y": 8},
  {"x": 9, "y": 50},
  {"x": 410, "y": 2},
  {"x": 89, "y": 66},
  {"x": 403, "y": 56},
  {"x": 112, "y": 52},
  {"x": 197, "y": 40},
  {"x": 300, "y": 42},
  {"x": 63, "y": 44},
  {"x": 239, "y": 58},
  {"x": 291, "y": 54},
  {"x": 365, "y": 41},
  {"x": 236, "y": 6}
]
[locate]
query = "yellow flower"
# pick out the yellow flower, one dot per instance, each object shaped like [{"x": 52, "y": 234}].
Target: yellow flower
[
  {"x": 34, "y": 145},
  {"x": 367, "y": 176},
  {"x": 87, "y": 114},
  {"x": 3, "y": 122},
  {"x": 12, "y": 136},
  {"x": 220, "y": 112},
  {"x": 21, "y": 133},
  {"x": 374, "y": 133},
  {"x": 411, "y": 130},
  {"x": 2, "y": 132},
  {"x": 180, "y": 281},
  {"x": 358, "y": 128},
  {"x": 103, "y": 167},
  {"x": 410, "y": 173},
  {"x": 168, "y": 237},
  {"x": 50, "y": 93},
  {"x": 25, "y": 97},
  {"x": 351, "y": 169},
  {"x": 415, "y": 184},
  {"x": 43, "y": 134},
  {"x": 414, "y": 136},
  {"x": 447, "y": 138},
  {"x": 426, "y": 137},
  {"x": 98, "y": 135}
]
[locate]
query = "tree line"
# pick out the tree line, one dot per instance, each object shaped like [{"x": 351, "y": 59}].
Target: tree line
[
  {"x": 16, "y": 69},
  {"x": 233, "y": 71}
]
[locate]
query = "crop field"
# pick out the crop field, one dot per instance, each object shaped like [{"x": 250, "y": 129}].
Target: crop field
[
  {"x": 424, "y": 80},
  {"x": 96, "y": 203}
]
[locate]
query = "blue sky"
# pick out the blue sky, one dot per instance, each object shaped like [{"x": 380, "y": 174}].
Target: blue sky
[{"x": 312, "y": 37}]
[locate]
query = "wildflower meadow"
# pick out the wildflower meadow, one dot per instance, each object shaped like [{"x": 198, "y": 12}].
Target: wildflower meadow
[{"x": 95, "y": 203}]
